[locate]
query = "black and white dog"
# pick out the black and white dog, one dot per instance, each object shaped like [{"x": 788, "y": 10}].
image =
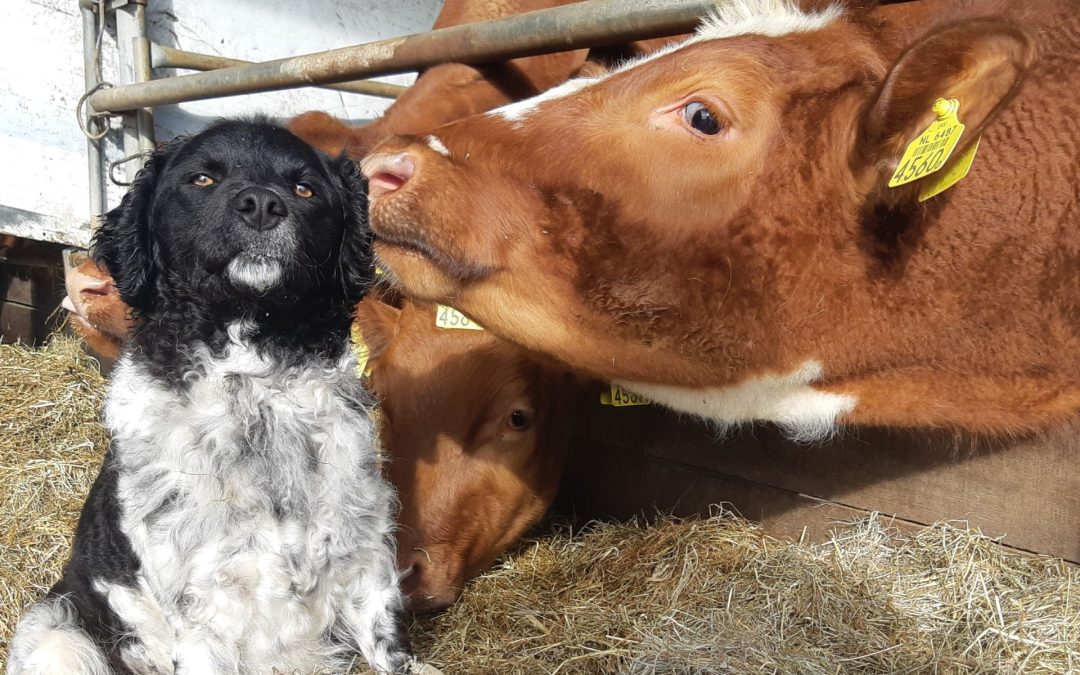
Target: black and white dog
[{"x": 239, "y": 523}]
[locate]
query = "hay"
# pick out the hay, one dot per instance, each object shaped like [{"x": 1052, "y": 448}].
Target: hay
[
  {"x": 718, "y": 596},
  {"x": 696, "y": 596},
  {"x": 51, "y": 445}
]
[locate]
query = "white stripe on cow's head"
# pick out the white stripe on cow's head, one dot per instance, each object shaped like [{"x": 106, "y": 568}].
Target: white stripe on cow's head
[
  {"x": 437, "y": 145},
  {"x": 729, "y": 18},
  {"x": 515, "y": 112},
  {"x": 762, "y": 17}
]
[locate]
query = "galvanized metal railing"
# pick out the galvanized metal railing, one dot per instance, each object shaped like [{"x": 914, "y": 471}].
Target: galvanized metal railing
[{"x": 587, "y": 24}]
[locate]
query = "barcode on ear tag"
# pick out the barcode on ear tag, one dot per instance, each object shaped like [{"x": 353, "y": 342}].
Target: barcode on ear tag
[
  {"x": 620, "y": 398},
  {"x": 451, "y": 319}
]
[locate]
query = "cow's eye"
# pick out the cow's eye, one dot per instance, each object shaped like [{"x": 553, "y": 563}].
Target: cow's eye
[
  {"x": 519, "y": 420},
  {"x": 303, "y": 190},
  {"x": 701, "y": 118},
  {"x": 202, "y": 180}
]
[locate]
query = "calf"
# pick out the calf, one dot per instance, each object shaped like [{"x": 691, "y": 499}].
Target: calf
[
  {"x": 712, "y": 226},
  {"x": 475, "y": 429},
  {"x": 477, "y": 432}
]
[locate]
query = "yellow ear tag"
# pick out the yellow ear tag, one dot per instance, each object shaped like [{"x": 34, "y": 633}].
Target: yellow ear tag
[
  {"x": 944, "y": 181},
  {"x": 360, "y": 348},
  {"x": 929, "y": 152},
  {"x": 620, "y": 398},
  {"x": 451, "y": 319}
]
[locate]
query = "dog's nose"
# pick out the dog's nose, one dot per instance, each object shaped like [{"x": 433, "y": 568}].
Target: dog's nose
[{"x": 260, "y": 208}]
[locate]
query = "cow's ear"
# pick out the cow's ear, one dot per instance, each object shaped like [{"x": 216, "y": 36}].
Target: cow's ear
[
  {"x": 123, "y": 244},
  {"x": 980, "y": 63},
  {"x": 378, "y": 324},
  {"x": 322, "y": 131}
]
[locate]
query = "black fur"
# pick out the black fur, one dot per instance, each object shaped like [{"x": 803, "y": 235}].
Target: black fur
[
  {"x": 169, "y": 242},
  {"x": 101, "y": 551}
]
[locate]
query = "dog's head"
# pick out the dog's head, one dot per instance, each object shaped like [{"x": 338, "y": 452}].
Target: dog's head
[{"x": 244, "y": 215}]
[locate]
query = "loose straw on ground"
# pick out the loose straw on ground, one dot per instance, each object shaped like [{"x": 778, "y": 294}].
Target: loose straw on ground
[{"x": 695, "y": 596}]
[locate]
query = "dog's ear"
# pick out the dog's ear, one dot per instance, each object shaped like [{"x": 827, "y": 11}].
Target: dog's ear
[
  {"x": 123, "y": 243},
  {"x": 356, "y": 268}
]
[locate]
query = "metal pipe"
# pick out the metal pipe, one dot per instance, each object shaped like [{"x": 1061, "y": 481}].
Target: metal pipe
[
  {"x": 140, "y": 51},
  {"x": 93, "y": 149},
  {"x": 586, "y": 24},
  {"x": 167, "y": 57},
  {"x": 127, "y": 33}
]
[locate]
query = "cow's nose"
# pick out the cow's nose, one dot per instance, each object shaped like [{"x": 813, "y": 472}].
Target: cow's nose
[
  {"x": 412, "y": 577},
  {"x": 387, "y": 172},
  {"x": 259, "y": 208}
]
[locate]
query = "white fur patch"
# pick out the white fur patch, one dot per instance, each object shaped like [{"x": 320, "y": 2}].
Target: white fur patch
[
  {"x": 48, "y": 640},
  {"x": 137, "y": 607},
  {"x": 255, "y": 273},
  {"x": 518, "y": 111},
  {"x": 437, "y": 145},
  {"x": 254, "y": 503},
  {"x": 728, "y": 19},
  {"x": 806, "y": 414},
  {"x": 762, "y": 17}
]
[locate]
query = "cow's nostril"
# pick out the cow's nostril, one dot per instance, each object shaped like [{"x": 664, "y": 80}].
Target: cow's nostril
[
  {"x": 386, "y": 173},
  {"x": 412, "y": 578}
]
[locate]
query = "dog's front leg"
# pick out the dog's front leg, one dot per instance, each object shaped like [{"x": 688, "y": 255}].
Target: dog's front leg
[{"x": 373, "y": 618}]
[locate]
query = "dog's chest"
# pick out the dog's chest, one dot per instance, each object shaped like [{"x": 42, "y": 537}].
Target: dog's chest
[{"x": 247, "y": 496}]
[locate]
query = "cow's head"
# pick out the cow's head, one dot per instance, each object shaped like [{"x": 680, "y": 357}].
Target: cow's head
[
  {"x": 476, "y": 433},
  {"x": 662, "y": 222}
]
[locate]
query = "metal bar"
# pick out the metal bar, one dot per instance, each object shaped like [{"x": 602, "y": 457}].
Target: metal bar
[
  {"x": 140, "y": 51},
  {"x": 127, "y": 37},
  {"x": 93, "y": 148},
  {"x": 586, "y": 24},
  {"x": 167, "y": 57}
]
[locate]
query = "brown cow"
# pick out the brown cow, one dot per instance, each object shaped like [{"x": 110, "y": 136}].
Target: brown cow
[
  {"x": 477, "y": 433},
  {"x": 475, "y": 430},
  {"x": 711, "y": 226}
]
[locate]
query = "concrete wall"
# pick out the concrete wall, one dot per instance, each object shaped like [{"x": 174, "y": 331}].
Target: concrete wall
[{"x": 43, "y": 166}]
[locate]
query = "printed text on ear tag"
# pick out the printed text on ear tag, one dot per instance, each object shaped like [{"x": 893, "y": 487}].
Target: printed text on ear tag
[
  {"x": 932, "y": 187},
  {"x": 929, "y": 152},
  {"x": 620, "y": 398},
  {"x": 360, "y": 348},
  {"x": 450, "y": 318}
]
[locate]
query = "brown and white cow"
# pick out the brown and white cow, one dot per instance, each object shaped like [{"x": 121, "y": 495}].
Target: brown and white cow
[
  {"x": 711, "y": 226},
  {"x": 475, "y": 431}
]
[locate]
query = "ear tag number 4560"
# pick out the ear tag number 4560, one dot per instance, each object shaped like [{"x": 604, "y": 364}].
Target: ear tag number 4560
[
  {"x": 449, "y": 318},
  {"x": 929, "y": 152}
]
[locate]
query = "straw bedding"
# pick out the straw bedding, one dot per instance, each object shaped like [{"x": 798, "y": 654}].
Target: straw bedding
[{"x": 709, "y": 595}]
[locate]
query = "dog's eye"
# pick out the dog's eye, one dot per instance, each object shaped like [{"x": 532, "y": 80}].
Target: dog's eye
[
  {"x": 302, "y": 190},
  {"x": 202, "y": 180}
]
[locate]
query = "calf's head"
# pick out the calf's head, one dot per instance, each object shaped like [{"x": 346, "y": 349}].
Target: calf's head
[
  {"x": 476, "y": 433},
  {"x": 663, "y": 222}
]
